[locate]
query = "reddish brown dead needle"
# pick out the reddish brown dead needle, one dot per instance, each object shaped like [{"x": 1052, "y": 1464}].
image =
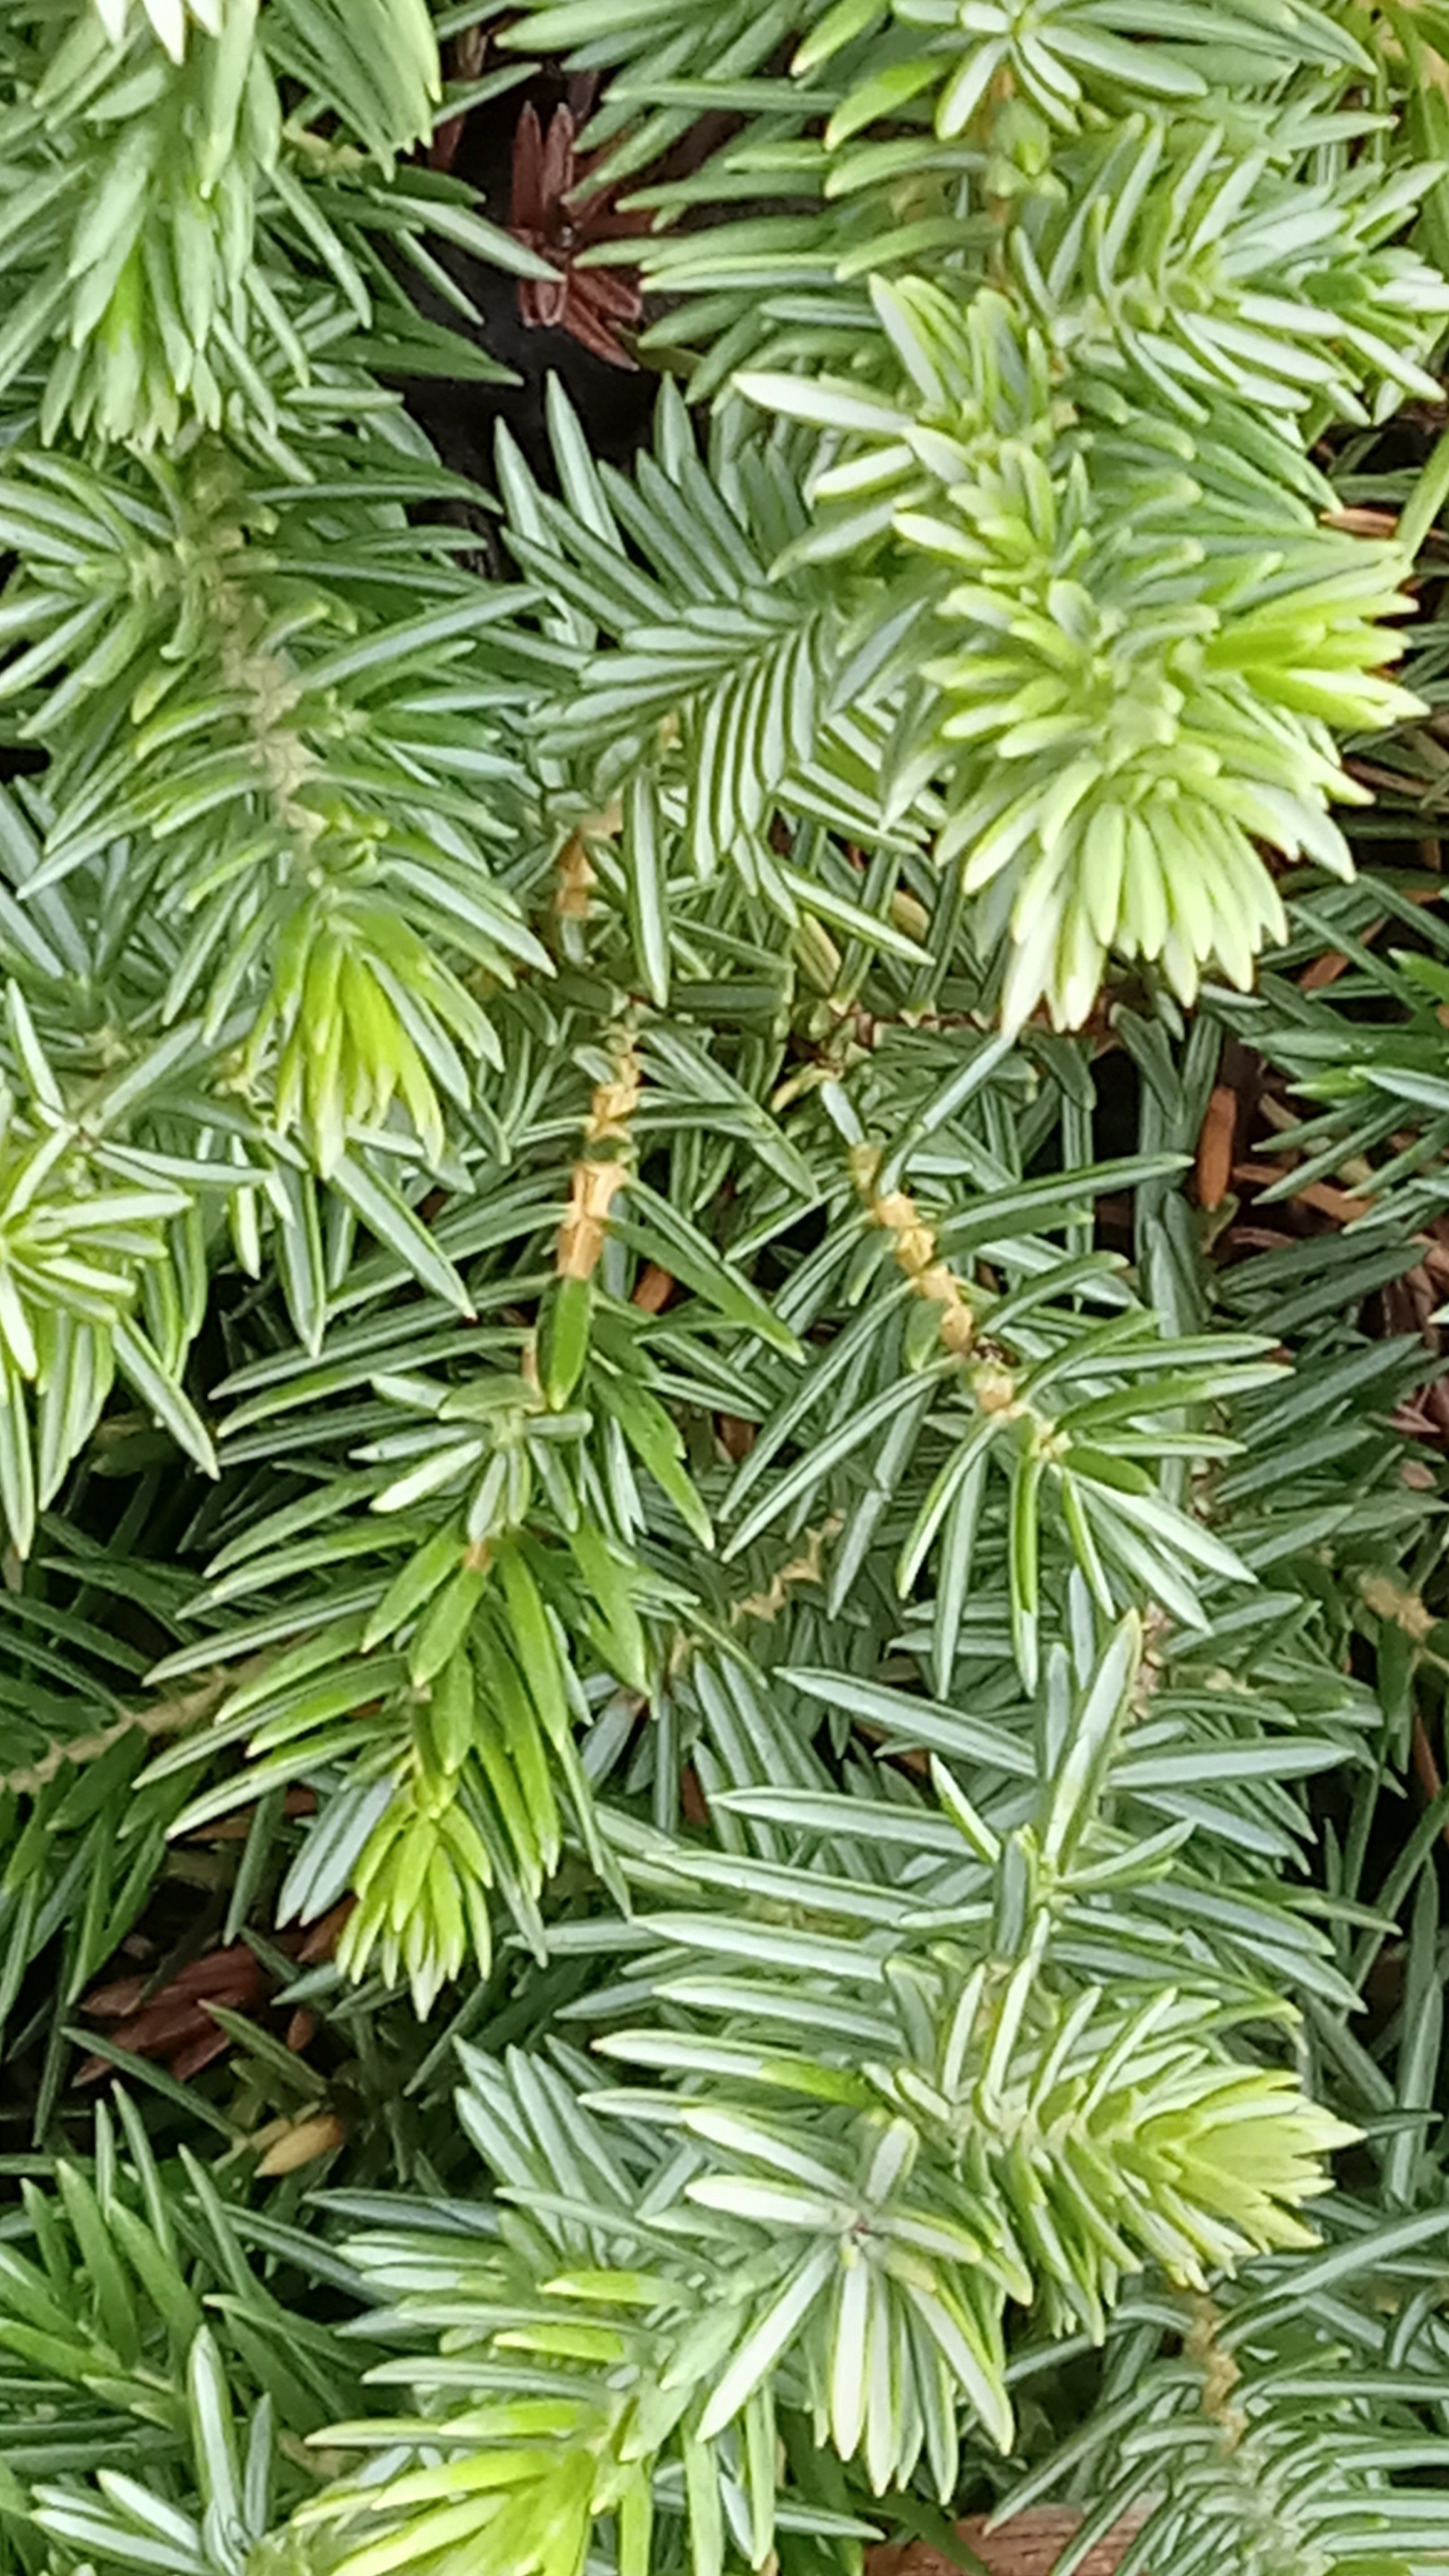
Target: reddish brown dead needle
[{"x": 592, "y": 304}]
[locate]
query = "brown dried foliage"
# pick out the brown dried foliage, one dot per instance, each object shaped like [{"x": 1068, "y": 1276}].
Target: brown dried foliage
[
  {"x": 550, "y": 216},
  {"x": 173, "y": 2022},
  {"x": 1029, "y": 2546}
]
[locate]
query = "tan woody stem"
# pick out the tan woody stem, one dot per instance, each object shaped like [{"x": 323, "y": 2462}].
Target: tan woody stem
[
  {"x": 604, "y": 1166},
  {"x": 915, "y": 1248}
]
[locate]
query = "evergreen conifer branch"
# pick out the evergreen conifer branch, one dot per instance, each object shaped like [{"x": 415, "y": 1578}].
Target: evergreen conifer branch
[{"x": 607, "y": 1154}]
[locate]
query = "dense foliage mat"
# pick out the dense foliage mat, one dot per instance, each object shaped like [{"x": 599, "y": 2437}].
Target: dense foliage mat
[{"x": 724, "y": 1198}]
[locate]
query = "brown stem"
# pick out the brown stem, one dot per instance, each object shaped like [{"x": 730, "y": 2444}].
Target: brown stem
[{"x": 167, "y": 1717}]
